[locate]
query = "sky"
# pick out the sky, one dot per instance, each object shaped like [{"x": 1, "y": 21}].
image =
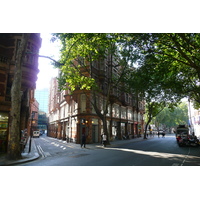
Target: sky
[{"x": 47, "y": 70}]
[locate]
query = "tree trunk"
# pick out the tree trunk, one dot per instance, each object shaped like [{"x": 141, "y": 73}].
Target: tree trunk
[
  {"x": 14, "y": 151},
  {"x": 145, "y": 130},
  {"x": 24, "y": 110},
  {"x": 101, "y": 116},
  {"x": 105, "y": 129}
]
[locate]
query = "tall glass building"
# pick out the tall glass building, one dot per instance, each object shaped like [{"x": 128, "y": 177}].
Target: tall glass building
[{"x": 42, "y": 96}]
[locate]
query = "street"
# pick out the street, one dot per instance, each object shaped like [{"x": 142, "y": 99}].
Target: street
[{"x": 151, "y": 152}]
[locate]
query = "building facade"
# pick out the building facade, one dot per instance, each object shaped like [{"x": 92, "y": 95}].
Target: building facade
[
  {"x": 9, "y": 44},
  {"x": 42, "y": 96},
  {"x": 72, "y": 115},
  {"x": 34, "y": 116},
  {"x": 194, "y": 119}
]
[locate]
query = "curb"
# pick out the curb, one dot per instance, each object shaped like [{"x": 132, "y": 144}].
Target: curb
[
  {"x": 122, "y": 142},
  {"x": 10, "y": 163},
  {"x": 34, "y": 155},
  {"x": 26, "y": 157}
]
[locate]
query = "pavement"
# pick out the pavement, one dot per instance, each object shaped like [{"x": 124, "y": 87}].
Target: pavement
[
  {"x": 33, "y": 155},
  {"x": 26, "y": 156}
]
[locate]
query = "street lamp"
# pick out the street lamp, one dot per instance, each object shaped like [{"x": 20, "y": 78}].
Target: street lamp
[{"x": 31, "y": 130}]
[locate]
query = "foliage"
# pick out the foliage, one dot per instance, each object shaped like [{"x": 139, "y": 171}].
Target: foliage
[
  {"x": 81, "y": 50},
  {"x": 80, "y": 55},
  {"x": 173, "y": 117},
  {"x": 174, "y": 57},
  {"x": 177, "y": 61},
  {"x": 146, "y": 81},
  {"x": 158, "y": 68},
  {"x": 167, "y": 68}
]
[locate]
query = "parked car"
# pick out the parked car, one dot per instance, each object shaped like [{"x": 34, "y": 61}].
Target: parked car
[
  {"x": 188, "y": 141},
  {"x": 36, "y": 134}
]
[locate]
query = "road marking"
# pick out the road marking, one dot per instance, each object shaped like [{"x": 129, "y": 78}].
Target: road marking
[
  {"x": 47, "y": 154},
  {"x": 60, "y": 143},
  {"x": 44, "y": 154},
  {"x": 186, "y": 157},
  {"x": 175, "y": 164},
  {"x": 40, "y": 150}
]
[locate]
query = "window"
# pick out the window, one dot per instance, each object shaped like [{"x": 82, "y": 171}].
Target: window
[
  {"x": 126, "y": 98},
  {"x": 130, "y": 114},
  {"x": 123, "y": 113},
  {"x": 135, "y": 116},
  {"x": 83, "y": 103},
  {"x": 116, "y": 110}
]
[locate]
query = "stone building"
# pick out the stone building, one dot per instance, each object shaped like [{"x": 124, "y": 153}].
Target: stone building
[
  {"x": 72, "y": 115},
  {"x": 9, "y": 43}
]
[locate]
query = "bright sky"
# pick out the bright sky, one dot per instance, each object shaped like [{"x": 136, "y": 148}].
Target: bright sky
[{"x": 47, "y": 70}]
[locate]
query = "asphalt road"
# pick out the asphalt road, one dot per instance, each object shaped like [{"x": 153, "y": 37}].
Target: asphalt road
[{"x": 150, "y": 152}]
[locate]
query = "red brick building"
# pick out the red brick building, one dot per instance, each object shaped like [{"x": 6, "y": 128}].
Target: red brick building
[
  {"x": 72, "y": 115},
  {"x": 9, "y": 43}
]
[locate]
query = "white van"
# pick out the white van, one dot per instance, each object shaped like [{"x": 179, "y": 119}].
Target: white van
[{"x": 36, "y": 134}]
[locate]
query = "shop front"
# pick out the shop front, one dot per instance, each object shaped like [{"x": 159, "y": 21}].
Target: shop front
[{"x": 3, "y": 131}]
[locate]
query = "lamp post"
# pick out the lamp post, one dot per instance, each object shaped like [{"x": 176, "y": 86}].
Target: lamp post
[{"x": 31, "y": 130}]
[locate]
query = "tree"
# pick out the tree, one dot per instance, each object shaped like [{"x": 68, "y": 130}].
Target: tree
[
  {"x": 173, "y": 117},
  {"x": 169, "y": 63},
  {"x": 145, "y": 80},
  {"x": 166, "y": 66},
  {"x": 79, "y": 55},
  {"x": 14, "y": 151},
  {"x": 178, "y": 60}
]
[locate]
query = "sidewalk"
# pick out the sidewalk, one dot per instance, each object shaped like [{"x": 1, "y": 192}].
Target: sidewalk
[
  {"x": 33, "y": 155},
  {"x": 115, "y": 143},
  {"x": 26, "y": 157}
]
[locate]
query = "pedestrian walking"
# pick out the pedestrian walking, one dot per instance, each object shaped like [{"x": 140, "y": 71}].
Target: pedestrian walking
[
  {"x": 101, "y": 139},
  {"x": 163, "y": 134},
  {"x": 128, "y": 135},
  {"x": 104, "y": 139},
  {"x": 83, "y": 140}
]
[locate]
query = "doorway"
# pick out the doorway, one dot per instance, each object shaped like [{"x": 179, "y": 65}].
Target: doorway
[{"x": 94, "y": 133}]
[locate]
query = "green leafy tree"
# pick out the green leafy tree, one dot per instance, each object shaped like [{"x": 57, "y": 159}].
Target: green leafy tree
[
  {"x": 172, "y": 117},
  {"x": 146, "y": 81},
  {"x": 167, "y": 68},
  {"x": 178, "y": 60},
  {"x": 167, "y": 65},
  {"x": 80, "y": 53}
]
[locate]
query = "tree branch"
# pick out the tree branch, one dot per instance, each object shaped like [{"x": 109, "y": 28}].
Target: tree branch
[{"x": 57, "y": 63}]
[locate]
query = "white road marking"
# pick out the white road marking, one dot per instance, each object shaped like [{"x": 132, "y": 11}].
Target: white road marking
[
  {"x": 41, "y": 150},
  {"x": 44, "y": 154},
  {"x": 175, "y": 164},
  {"x": 186, "y": 157},
  {"x": 47, "y": 154}
]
